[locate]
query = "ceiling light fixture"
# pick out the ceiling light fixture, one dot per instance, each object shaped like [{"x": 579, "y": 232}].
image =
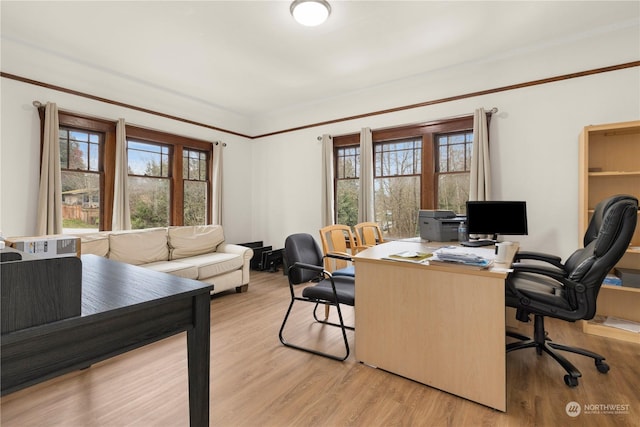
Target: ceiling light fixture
[{"x": 310, "y": 12}]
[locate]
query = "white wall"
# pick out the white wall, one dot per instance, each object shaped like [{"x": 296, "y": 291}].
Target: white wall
[
  {"x": 534, "y": 155},
  {"x": 272, "y": 184},
  {"x": 20, "y": 154}
]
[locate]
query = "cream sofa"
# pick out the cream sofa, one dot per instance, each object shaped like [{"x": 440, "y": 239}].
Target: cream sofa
[{"x": 194, "y": 252}]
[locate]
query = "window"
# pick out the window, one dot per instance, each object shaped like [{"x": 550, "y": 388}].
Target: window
[
  {"x": 347, "y": 184},
  {"x": 169, "y": 175},
  {"x": 80, "y": 176},
  {"x": 454, "y": 166},
  {"x": 149, "y": 184},
  {"x": 423, "y": 166},
  {"x": 396, "y": 184},
  {"x": 194, "y": 175}
]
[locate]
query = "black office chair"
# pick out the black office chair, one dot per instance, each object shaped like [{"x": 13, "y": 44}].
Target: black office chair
[
  {"x": 305, "y": 261},
  {"x": 568, "y": 291}
]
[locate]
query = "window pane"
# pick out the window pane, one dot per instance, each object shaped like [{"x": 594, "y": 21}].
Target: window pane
[
  {"x": 195, "y": 202},
  {"x": 348, "y": 162},
  {"x": 194, "y": 165},
  {"x": 453, "y": 192},
  {"x": 147, "y": 159},
  {"x": 149, "y": 202},
  {"x": 347, "y": 202},
  {"x": 397, "y": 201},
  {"x": 398, "y": 158},
  {"x": 454, "y": 163},
  {"x": 454, "y": 152},
  {"x": 80, "y": 201},
  {"x": 79, "y": 150},
  {"x": 456, "y": 157}
]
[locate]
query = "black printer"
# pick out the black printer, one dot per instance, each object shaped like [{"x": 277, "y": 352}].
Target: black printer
[{"x": 439, "y": 225}]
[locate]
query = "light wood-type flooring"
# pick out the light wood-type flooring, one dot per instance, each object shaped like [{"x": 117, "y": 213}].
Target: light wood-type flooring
[{"x": 256, "y": 381}]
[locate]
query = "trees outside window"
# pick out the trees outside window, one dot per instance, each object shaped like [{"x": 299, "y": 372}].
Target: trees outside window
[
  {"x": 396, "y": 183},
  {"x": 194, "y": 175},
  {"x": 347, "y": 185},
  {"x": 454, "y": 166},
  {"x": 169, "y": 179},
  {"x": 148, "y": 184}
]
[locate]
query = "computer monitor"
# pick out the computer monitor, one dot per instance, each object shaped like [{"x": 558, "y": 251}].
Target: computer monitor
[{"x": 497, "y": 217}]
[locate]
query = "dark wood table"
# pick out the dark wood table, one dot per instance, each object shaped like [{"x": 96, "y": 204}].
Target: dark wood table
[{"x": 123, "y": 307}]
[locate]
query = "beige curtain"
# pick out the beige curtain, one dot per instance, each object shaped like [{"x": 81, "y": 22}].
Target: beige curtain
[
  {"x": 49, "y": 215},
  {"x": 366, "y": 211},
  {"x": 327, "y": 181},
  {"x": 216, "y": 184},
  {"x": 121, "y": 213},
  {"x": 480, "y": 188}
]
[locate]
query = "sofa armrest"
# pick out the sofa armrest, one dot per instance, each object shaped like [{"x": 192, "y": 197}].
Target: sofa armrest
[
  {"x": 230, "y": 248},
  {"x": 245, "y": 252}
]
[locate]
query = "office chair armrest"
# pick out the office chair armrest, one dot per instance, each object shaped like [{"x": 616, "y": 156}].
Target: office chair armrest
[
  {"x": 552, "y": 272},
  {"x": 539, "y": 256},
  {"x": 312, "y": 267},
  {"x": 339, "y": 255}
]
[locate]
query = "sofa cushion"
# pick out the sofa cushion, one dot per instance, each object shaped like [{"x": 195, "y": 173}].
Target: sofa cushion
[
  {"x": 188, "y": 241},
  {"x": 139, "y": 246},
  {"x": 216, "y": 263},
  {"x": 176, "y": 268},
  {"x": 94, "y": 244}
]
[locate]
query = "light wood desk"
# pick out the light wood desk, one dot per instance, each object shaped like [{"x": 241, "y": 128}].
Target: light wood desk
[{"x": 438, "y": 325}]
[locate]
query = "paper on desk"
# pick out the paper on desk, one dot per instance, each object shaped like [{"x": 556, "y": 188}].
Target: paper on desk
[
  {"x": 627, "y": 325},
  {"x": 410, "y": 256},
  {"x": 485, "y": 253},
  {"x": 464, "y": 254}
]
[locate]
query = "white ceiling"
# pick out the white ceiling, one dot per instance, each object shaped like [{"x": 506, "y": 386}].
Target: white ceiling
[{"x": 249, "y": 57}]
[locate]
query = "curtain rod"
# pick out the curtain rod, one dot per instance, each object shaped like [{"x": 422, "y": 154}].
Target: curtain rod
[{"x": 491, "y": 111}]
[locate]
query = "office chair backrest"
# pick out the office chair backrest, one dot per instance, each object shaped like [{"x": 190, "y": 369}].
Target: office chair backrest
[
  {"x": 607, "y": 238},
  {"x": 593, "y": 229},
  {"x": 303, "y": 248}
]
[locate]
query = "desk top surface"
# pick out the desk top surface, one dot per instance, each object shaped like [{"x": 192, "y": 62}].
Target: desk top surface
[
  {"x": 110, "y": 285},
  {"x": 382, "y": 251}
]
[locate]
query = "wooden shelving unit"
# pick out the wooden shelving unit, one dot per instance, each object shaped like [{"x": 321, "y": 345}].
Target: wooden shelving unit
[{"x": 609, "y": 165}]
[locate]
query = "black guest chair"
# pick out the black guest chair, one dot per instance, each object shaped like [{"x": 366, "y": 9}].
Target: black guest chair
[
  {"x": 544, "y": 286},
  {"x": 305, "y": 261}
]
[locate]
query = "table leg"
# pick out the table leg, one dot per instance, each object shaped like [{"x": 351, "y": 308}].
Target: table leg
[{"x": 198, "y": 347}]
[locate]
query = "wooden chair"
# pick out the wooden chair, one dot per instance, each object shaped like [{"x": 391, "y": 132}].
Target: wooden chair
[
  {"x": 338, "y": 246},
  {"x": 368, "y": 234}
]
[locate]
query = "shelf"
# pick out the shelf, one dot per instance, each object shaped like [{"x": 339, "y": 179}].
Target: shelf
[
  {"x": 595, "y": 327},
  {"x": 614, "y": 173},
  {"x": 622, "y": 288},
  {"x": 609, "y": 163}
]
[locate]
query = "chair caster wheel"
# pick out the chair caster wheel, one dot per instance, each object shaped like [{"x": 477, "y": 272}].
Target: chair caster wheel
[
  {"x": 603, "y": 368},
  {"x": 570, "y": 381}
]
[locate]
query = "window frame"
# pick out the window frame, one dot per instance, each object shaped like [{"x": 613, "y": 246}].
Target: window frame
[
  {"x": 107, "y": 161},
  {"x": 177, "y": 144},
  {"x": 428, "y": 132}
]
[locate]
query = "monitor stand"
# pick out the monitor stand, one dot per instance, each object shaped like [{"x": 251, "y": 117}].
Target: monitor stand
[{"x": 480, "y": 242}]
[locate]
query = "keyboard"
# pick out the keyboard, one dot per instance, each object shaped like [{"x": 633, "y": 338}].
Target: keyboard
[{"x": 478, "y": 243}]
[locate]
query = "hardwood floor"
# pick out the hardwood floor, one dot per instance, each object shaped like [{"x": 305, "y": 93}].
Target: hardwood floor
[{"x": 258, "y": 382}]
